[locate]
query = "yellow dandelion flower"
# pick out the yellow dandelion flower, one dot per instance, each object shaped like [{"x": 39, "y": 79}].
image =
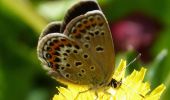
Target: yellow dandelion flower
[{"x": 132, "y": 88}]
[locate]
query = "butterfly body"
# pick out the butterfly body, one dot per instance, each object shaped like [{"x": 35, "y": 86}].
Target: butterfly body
[{"x": 83, "y": 53}]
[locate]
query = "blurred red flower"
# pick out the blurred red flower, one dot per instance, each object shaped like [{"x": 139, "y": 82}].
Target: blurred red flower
[{"x": 135, "y": 31}]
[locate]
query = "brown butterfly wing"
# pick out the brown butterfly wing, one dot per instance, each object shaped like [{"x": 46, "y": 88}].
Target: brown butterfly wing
[
  {"x": 85, "y": 54},
  {"x": 92, "y": 33}
]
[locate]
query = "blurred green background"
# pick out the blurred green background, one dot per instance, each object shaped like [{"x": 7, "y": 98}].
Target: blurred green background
[{"x": 21, "y": 22}]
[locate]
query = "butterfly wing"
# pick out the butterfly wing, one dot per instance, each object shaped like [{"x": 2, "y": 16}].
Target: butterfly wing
[
  {"x": 78, "y": 9},
  {"x": 91, "y": 32},
  {"x": 84, "y": 54},
  {"x": 53, "y": 27},
  {"x": 86, "y": 25},
  {"x": 67, "y": 60}
]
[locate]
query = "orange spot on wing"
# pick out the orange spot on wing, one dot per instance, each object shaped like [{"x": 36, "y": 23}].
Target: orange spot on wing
[{"x": 88, "y": 24}]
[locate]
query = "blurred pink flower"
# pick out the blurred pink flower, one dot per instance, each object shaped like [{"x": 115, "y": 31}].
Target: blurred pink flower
[{"x": 136, "y": 31}]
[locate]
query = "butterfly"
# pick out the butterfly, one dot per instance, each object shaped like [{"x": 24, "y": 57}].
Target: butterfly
[{"x": 79, "y": 50}]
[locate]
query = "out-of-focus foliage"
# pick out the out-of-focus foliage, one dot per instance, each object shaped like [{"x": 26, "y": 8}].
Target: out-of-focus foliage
[{"x": 21, "y": 21}]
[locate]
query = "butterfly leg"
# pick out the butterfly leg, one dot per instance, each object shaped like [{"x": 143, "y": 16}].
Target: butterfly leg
[
  {"x": 96, "y": 93},
  {"x": 107, "y": 93},
  {"x": 82, "y": 92}
]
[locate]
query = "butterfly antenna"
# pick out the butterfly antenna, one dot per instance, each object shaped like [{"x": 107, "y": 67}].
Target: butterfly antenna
[
  {"x": 138, "y": 56},
  {"x": 135, "y": 91}
]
